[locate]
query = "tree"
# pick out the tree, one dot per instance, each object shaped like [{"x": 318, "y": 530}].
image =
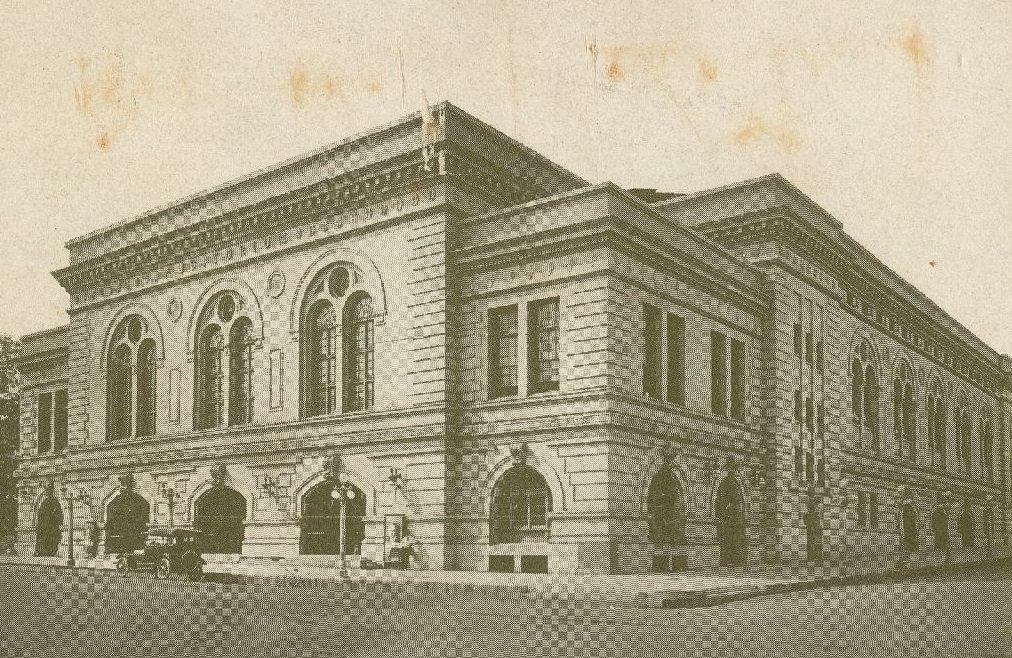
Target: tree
[{"x": 10, "y": 404}]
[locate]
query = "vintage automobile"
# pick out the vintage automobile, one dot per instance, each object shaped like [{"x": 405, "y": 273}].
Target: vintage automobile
[{"x": 166, "y": 551}]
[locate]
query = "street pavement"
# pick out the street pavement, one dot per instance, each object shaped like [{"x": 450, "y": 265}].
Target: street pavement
[{"x": 56, "y": 613}]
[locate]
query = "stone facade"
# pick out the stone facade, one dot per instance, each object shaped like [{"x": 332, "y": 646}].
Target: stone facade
[{"x": 441, "y": 220}]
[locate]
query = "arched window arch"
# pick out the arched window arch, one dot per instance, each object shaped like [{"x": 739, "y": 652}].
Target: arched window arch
[
  {"x": 937, "y": 425},
  {"x": 126, "y": 522},
  {"x": 321, "y": 364},
  {"x": 986, "y": 444},
  {"x": 320, "y": 521},
  {"x": 729, "y": 510},
  {"x": 864, "y": 395},
  {"x": 904, "y": 412},
  {"x": 48, "y": 527},
  {"x": 224, "y": 371},
  {"x": 940, "y": 529},
  {"x": 666, "y": 510},
  {"x": 521, "y": 503},
  {"x": 131, "y": 380},
  {"x": 964, "y": 434},
  {"x": 337, "y": 338},
  {"x": 359, "y": 347},
  {"x": 220, "y": 513}
]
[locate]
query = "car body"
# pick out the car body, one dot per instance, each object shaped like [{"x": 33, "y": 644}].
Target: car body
[{"x": 166, "y": 551}]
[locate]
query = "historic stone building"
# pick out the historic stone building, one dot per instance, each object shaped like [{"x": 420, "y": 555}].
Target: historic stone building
[{"x": 431, "y": 331}]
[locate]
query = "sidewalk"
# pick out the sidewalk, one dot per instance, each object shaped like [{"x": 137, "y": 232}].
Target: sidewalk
[{"x": 667, "y": 590}]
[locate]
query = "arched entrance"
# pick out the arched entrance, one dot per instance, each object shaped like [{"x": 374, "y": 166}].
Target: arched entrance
[
  {"x": 909, "y": 527},
  {"x": 813, "y": 532},
  {"x": 48, "y": 527},
  {"x": 967, "y": 528},
  {"x": 730, "y": 512},
  {"x": 320, "y": 524},
  {"x": 666, "y": 510},
  {"x": 126, "y": 523},
  {"x": 521, "y": 502},
  {"x": 220, "y": 513},
  {"x": 940, "y": 529}
]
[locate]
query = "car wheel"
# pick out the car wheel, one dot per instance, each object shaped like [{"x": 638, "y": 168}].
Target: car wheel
[
  {"x": 163, "y": 569},
  {"x": 197, "y": 573},
  {"x": 122, "y": 566}
]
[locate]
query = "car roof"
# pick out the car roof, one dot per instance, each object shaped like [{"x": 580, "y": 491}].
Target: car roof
[{"x": 173, "y": 532}]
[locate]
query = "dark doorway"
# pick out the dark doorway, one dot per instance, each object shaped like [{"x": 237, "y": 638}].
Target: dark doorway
[
  {"x": 909, "y": 522},
  {"x": 49, "y": 528},
  {"x": 730, "y": 513},
  {"x": 940, "y": 529},
  {"x": 126, "y": 523},
  {"x": 967, "y": 528},
  {"x": 666, "y": 510},
  {"x": 813, "y": 529},
  {"x": 321, "y": 522},
  {"x": 220, "y": 513}
]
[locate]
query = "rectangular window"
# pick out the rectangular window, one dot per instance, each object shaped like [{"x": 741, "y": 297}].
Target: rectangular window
[
  {"x": 543, "y": 346},
  {"x": 60, "y": 420},
  {"x": 797, "y": 339},
  {"x": 798, "y": 407},
  {"x": 809, "y": 347},
  {"x": 45, "y": 422},
  {"x": 651, "y": 351},
  {"x": 809, "y": 414},
  {"x": 502, "y": 351},
  {"x": 862, "y": 509},
  {"x": 676, "y": 359},
  {"x": 737, "y": 379},
  {"x": 873, "y": 509},
  {"x": 799, "y": 459},
  {"x": 718, "y": 373},
  {"x": 819, "y": 357}
]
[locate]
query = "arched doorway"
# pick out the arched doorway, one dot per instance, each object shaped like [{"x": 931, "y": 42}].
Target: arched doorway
[
  {"x": 967, "y": 528},
  {"x": 126, "y": 523},
  {"x": 940, "y": 529},
  {"x": 48, "y": 527},
  {"x": 320, "y": 532},
  {"x": 521, "y": 502},
  {"x": 909, "y": 527},
  {"x": 220, "y": 513},
  {"x": 813, "y": 532},
  {"x": 666, "y": 510},
  {"x": 730, "y": 512}
]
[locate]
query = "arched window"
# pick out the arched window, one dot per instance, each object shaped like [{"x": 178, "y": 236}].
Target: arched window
[
  {"x": 223, "y": 378},
  {"x": 940, "y": 529},
  {"x": 986, "y": 445},
  {"x": 967, "y": 527},
  {"x": 209, "y": 399},
  {"x": 904, "y": 413},
  {"x": 131, "y": 382},
  {"x": 521, "y": 503},
  {"x": 126, "y": 523},
  {"x": 908, "y": 527},
  {"x": 864, "y": 389},
  {"x": 320, "y": 522},
  {"x": 48, "y": 527},
  {"x": 322, "y": 360},
  {"x": 936, "y": 424},
  {"x": 666, "y": 510},
  {"x": 240, "y": 372},
  {"x": 964, "y": 432},
  {"x": 729, "y": 509},
  {"x": 358, "y": 353},
  {"x": 220, "y": 513}
]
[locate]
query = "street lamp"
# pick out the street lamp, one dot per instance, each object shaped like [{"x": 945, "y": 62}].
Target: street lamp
[
  {"x": 171, "y": 495},
  {"x": 73, "y": 497},
  {"x": 343, "y": 493}
]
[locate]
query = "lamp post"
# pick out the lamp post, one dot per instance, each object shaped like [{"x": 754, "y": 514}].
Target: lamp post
[
  {"x": 343, "y": 493},
  {"x": 171, "y": 495},
  {"x": 72, "y": 497}
]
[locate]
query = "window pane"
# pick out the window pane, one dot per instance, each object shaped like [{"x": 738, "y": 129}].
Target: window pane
[
  {"x": 146, "y": 388},
  {"x": 502, "y": 351},
  {"x": 676, "y": 359},
  {"x": 45, "y": 427},
  {"x": 651, "y": 351},
  {"x": 543, "y": 346},
  {"x": 737, "y": 379},
  {"x": 718, "y": 373},
  {"x": 60, "y": 420},
  {"x": 358, "y": 354}
]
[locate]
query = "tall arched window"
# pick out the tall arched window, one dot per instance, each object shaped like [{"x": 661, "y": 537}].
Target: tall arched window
[
  {"x": 240, "y": 372},
  {"x": 321, "y": 363},
  {"x": 908, "y": 526},
  {"x": 936, "y": 425},
  {"x": 967, "y": 527},
  {"x": 358, "y": 353},
  {"x": 864, "y": 395},
  {"x": 940, "y": 528},
  {"x": 131, "y": 382},
  {"x": 666, "y": 510},
  {"x": 521, "y": 503},
  {"x": 904, "y": 413},
  {"x": 986, "y": 445},
  {"x": 964, "y": 434},
  {"x": 223, "y": 391}
]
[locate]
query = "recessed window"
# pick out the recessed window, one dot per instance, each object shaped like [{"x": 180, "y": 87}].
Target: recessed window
[
  {"x": 131, "y": 381},
  {"x": 338, "y": 282},
  {"x": 676, "y": 359},
  {"x": 543, "y": 346},
  {"x": 502, "y": 351},
  {"x": 718, "y": 373},
  {"x": 652, "y": 336}
]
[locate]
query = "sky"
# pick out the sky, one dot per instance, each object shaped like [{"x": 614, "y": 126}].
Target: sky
[{"x": 896, "y": 120}]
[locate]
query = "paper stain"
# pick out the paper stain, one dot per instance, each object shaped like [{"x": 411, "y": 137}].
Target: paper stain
[
  {"x": 306, "y": 85},
  {"x": 916, "y": 49},
  {"x": 614, "y": 64},
  {"x": 708, "y": 71},
  {"x": 758, "y": 129},
  {"x": 111, "y": 95},
  {"x": 932, "y": 263}
]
